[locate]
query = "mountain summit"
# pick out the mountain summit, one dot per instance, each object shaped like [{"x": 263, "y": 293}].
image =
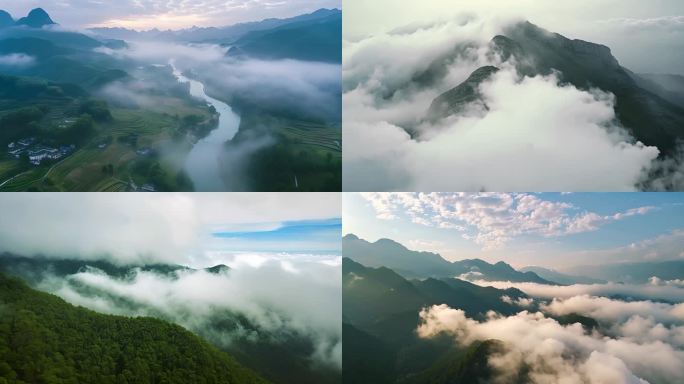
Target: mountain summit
[
  {"x": 37, "y": 18},
  {"x": 647, "y": 110},
  {"x": 6, "y": 19},
  {"x": 416, "y": 264}
]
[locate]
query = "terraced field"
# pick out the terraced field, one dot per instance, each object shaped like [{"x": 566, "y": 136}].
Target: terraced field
[
  {"x": 82, "y": 170},
  {"x": 315, "y": 135}
]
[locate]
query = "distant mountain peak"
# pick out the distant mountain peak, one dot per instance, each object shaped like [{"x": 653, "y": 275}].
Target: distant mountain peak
[
  {"x": 218, "y": 269},
  {"x": 37, "y": 18},
  {"x": 350, "y": 236},
  {"x": 6, "y": 19},
  {"x": 390, "y": 242},
  {"x": 504, "y": 265},
  {"x": 420, "y": 264}
]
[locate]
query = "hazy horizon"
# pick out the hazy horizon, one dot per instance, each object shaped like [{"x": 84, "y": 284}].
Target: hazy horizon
[
  {"x": 636, "y": 31},
  {"x": 555, "y": 231},
  {"x": 197, "y": 230},
  {"x": 144, "y": 15}
]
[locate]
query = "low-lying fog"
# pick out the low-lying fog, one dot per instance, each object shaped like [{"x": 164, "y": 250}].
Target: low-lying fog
[{"x": 308, "y": 90}]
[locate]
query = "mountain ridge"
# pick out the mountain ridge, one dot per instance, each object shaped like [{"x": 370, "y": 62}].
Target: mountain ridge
[
  {"x": 43, "y": 338},
  {"x": 310, "y": 40},
  {"x": 561, "y": 278},
  {"x": 223, "y": 34},
  {"x": 651, "y": 114},
  {"x": 381, "y": 313},
  {"x": 33, "y": 269},
  {"x": 421, "y": 264},
  {"x": 36, "y": 18}
]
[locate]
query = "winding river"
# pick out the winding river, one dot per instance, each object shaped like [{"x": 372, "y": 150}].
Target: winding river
[{"x": 203, "y": 163}]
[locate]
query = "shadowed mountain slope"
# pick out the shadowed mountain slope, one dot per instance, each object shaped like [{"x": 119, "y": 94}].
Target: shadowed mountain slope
[
  {"x": 414, "y": 264},
  {"x": 651, "y": 113},
  {"x": 44, "y": 339}
]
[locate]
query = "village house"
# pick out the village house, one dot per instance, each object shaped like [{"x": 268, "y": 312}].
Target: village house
[
  {"x": 37, "y": 155},
  {"x": 27, "y": 141},
  {"x": 16, "y": 151}
]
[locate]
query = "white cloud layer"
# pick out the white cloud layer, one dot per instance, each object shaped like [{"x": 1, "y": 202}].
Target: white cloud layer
[
  {"x": 555, "y": 353},
  {"x": 308, "y": 88},
  {"x": 525, "y": 134},
  {"x": 283, "y": 295},
  {"x": 16, "y": 60},
  {"x": 658, "y": 292},
  {"x": 134, "y": 228}
]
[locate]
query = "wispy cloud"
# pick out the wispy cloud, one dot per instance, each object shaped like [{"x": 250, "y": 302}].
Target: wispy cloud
[
  {"x": 493, "y": 219},
  {"x": 16, "y": 60}
]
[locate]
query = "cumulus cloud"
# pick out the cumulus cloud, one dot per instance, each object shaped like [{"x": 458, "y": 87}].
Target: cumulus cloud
[
  {"x": 16, "y": 60},
  {"x": 603, "y": 308},
  {"x": 523, "y": 302},
  {"x": 281, "y": 295},
  {"x": 138, "y": 228},
  {"x": 493, "y": 219},
  {"x": 506, "y": 141},
  {"x": 553, "y": 353}
]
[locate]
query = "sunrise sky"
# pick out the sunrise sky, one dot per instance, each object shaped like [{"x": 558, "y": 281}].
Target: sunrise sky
[
  {"x": 550, "y": 229},
  {"x": 164, "y": 14}
]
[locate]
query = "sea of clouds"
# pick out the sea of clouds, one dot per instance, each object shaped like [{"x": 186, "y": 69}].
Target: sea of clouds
[
  {"x": 526, "y": 134},
  {"x": 640, "y": 337}
]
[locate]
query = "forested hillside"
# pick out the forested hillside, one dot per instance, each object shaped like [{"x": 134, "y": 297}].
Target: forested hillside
[{"x": 43, "y": 339}]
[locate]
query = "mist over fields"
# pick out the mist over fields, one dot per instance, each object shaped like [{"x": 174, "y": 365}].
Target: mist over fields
[{"x": 259, "y": 103}]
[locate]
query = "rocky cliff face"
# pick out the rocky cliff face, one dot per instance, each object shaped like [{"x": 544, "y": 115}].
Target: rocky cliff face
[
  {"x": 456, "y": 99},
  {"x": 650, "y": 117}
]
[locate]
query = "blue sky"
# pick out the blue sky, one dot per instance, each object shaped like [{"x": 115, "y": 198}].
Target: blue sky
[
  {"x": 308, "y": 236},
  {"x": 195, "y": 229},
  {"x": 551, "y": 230},
  {"x": 164, "y": 14}
]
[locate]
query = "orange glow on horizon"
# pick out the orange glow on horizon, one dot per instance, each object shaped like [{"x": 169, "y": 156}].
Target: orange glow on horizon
[{"x": 161, "y": 21}]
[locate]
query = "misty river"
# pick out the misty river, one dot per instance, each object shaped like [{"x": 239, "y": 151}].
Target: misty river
[{"x": 203, "y": 161}]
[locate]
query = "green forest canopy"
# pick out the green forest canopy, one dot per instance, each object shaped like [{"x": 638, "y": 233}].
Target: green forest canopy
[{"x": 43, "y": 339}]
